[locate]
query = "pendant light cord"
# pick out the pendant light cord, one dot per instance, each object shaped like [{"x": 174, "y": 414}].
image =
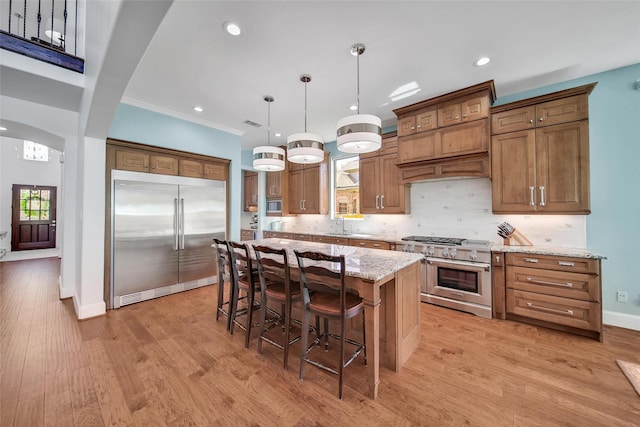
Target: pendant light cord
[
  {"x": 305, "y": 107},
  {"x": 269, "y": 123},
  {"x": 358, "y": 80}
]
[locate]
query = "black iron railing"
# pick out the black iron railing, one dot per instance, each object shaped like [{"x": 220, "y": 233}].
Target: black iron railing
[{"x": 42, "y": 29}]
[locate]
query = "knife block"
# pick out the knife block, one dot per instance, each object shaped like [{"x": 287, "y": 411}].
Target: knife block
[{"x": 517, "y": 239}]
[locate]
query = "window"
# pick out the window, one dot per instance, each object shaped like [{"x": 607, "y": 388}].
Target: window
[
  {"x": 34, "y": 204},
  {"x": 346, "y": 184},
  {"x": 34, "y": 151}
]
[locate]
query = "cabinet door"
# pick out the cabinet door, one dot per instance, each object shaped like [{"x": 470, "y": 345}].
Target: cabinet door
[
  {"x": 474, "y": 108},
  {"x": 369, "y": 185},
  {"x": 513, "y": 170},
  {"x": 468, "y": 138},
  {"x": 311, "y": 192},
  {"x": 164, "y": 165},
  {"x": 296, "y": 191},
  {"x": 215, "y": 171},
  {"x": 407, "y": 126},
  {"x": 418, "y": 147},
  {"x": 274, "y": 185},
  {"x": 392, "y": 192},
  {"x": 191, "y": 168},
  {"x": 449, "y": 115},
  {"x": 132, "y": 161},
  {"x": 513, "y": 120},
  {"x": 250, "y": 190},
  {"x": 427, "y": 121},
  {"x": 562, "y": 110},
  {"x": 562, "y": 156}
]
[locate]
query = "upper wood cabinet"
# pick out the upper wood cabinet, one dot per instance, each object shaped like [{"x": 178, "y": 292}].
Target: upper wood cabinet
[
  {"x": 274, "y": 185},
  {"x": 451, "y": 126},
  {"x": 543, "y": 168},
  {"x": 308, "y": 187},
  {"x": 564, "y": 110},
  {"x": 126, "y": 156},
  {"x": 381, "y": 191},
  {"x": 250, "y": 196}
]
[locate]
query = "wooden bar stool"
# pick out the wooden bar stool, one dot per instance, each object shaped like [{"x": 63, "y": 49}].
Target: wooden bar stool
[
  {"x": 322, "y": 283},
  {"x": 276, "y": 285},
  {"x": 225, "y": 272},
  {"x": 246, "y": 281}
]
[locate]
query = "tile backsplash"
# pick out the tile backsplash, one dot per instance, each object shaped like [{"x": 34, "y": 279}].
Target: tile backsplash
[{"x": 450, "y": 208}]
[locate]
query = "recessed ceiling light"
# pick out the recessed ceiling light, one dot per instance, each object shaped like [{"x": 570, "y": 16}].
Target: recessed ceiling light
[
  {"x": 232, "y": 28},
  {"x": 353, "y": 107},
  {"x": 198, "y": 109},
  {"x": 3, "y": 128},
  {"x": 277, "y": 134},
  {"x": 482, "y": 61}
]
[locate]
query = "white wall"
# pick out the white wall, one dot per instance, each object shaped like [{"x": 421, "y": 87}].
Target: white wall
[{"x": 15, "y": 170}]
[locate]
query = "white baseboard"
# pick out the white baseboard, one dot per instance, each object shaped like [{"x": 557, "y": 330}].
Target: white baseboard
[
  {"x": 64, "y": 292},
  {"x": 622, "y": 320},
  {"x": 88, "y": 311}
]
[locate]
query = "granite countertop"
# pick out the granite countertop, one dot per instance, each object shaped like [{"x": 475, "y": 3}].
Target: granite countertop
[
  {"x": 548, "y": 250},
  {"x": 364, "y": 263}
]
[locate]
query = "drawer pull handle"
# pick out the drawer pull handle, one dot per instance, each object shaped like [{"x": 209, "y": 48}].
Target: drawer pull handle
[
  {"x": 533, "y": 260},
  {"x": 552, "y": 310},
  {"x": 542, "y": 282},
  {"x": 566, "y": 264}
]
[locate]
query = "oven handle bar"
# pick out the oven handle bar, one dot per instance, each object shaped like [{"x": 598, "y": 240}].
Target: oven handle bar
[{"x": 478, "y": 266}]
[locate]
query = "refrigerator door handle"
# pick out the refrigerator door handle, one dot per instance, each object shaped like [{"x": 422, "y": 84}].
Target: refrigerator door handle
[
  {"x": 182, "y": 224},
  {"x": 175, "y": 224}
]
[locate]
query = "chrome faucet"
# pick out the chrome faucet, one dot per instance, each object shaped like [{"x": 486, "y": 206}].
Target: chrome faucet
[{"x": 338, "y": 222}]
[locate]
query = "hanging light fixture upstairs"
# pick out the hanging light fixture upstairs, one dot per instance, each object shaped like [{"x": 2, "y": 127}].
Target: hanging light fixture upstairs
[
  {"x": 305, "y": 147},
  {"x": 360, "y": 133},
  {"x": 266, "y": 157}
]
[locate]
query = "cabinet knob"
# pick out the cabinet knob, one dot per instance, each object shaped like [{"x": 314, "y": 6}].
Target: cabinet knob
[
  {"x": 497, "y": 258},
  {"x": 418, "y": 126},
  {"x": 542, "y": 119},
  {"x": 531, "y": 121},
  {"x": 413, "y": 127},
  {"x": 457, "y": 117},
  {"x": 464, "y": 116}
]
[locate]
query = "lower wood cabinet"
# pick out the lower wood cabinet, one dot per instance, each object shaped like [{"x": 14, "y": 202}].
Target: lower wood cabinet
[
  {"x": 247, "y": 234},
  {"x": 558, "y": 292}
]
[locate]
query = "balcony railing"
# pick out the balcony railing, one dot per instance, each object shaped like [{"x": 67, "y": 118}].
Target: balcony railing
[{"x": 42, "y": 29}]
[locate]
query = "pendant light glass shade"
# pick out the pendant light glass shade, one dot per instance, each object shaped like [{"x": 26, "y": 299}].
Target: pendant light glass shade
[
  {"x": 305, "y": 147},
  {"x": 360, "y": 133},
  {"x": 268, "y": 158}
]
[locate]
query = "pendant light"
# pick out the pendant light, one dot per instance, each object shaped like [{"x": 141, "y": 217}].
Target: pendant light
[
  {"x": 360, "y": 133},
  {"x": 266, "y": 157},
  {"x": 305, "y": 147}
]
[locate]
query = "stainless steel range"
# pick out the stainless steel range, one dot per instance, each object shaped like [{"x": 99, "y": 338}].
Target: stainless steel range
[{"x": 458, "y": 272}]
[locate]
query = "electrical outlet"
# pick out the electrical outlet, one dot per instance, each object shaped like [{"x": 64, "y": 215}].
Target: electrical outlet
[{"x": 621, "y": 296}]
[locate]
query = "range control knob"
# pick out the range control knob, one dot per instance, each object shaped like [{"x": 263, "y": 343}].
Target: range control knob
[
  {"x": 445, "y": 253},
  {"x": 453, "y": 253},
  {"x": 431, "y": 250},
  {"x": 424, "y": 250},
  {"x": 474, "y": 255}
]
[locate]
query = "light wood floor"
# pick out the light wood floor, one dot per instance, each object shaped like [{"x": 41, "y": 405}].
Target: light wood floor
[{"x": 167, "y": 362}]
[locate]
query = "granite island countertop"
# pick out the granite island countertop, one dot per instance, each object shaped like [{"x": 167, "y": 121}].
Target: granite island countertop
[
  {"x": 364, "y": 263},
  {"x": 548, "y": 250}
]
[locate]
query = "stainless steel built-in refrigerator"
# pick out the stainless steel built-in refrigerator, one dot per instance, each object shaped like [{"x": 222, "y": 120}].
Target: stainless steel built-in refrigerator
[{"x": 162, "y": 230}]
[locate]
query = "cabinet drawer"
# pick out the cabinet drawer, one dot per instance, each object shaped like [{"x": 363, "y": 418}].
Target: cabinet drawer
[
  {"x": 562, "y": 311},
  {"x": 552, "y": 282},
  {"x": 372, "y": 244},
  {"x": 513, "y": 120},
  {"x": 550, "y": 262},
  {"x": 191, "y": 168},
  {"x": 331, "y": 240},
  {"x": 215, "y": 171},
  {"x": 132, "y": 161},
  {"x": 164, "y": 165}
]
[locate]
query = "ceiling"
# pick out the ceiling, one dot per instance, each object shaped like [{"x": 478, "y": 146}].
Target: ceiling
[{"x": 192, "y": 61}]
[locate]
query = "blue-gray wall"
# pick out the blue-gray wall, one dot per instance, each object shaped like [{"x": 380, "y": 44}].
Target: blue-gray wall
[{"x": 147, "y": 127}]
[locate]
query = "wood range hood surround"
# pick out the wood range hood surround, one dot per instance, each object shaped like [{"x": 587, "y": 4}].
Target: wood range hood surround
[{"x": 447, "y": 136}]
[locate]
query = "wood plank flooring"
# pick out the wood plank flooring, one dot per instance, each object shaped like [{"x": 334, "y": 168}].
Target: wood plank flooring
[{"x": 168, "y": 362}]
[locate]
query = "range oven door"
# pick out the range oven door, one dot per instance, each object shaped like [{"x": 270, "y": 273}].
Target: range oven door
[{"x": 459, "y": 280}]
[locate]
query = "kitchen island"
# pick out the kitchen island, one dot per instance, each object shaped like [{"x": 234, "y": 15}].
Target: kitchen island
[{"x": 389, "y": 282}]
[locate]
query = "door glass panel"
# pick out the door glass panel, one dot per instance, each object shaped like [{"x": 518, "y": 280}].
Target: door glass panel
[
  {"x": 35, "y": 205},
  {"x": 458, "y": 279}
]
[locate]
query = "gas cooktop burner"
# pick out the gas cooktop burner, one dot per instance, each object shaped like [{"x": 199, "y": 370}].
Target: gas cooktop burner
[{"x": 435, "y": 240}]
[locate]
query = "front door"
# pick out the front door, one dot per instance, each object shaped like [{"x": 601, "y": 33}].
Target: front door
[{"x": 33, "y": 224}]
